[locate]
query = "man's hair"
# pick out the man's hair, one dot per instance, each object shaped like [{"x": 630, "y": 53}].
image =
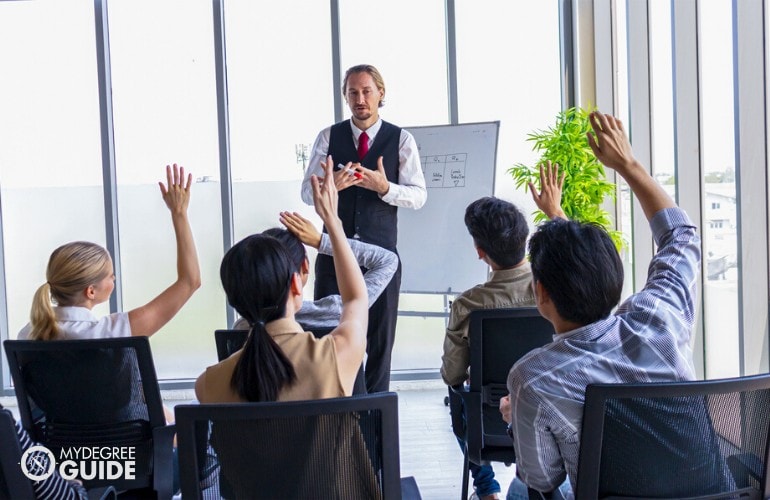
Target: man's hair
[
  {"x": 499, "y": 229},
  {"x": 579, "y": 267},
  {"x": 365, "y": 68}
]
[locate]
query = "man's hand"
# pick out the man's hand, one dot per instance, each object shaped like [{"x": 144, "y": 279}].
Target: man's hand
[
  {"x": 374, "y": 180},
  {"x": 301, "y": 228},
  {"x": 611, "y": 145},
  {"x": 346, "y": 177},
  {"x": 549, "y": 198},
  {"x": 505, "y": 408}
]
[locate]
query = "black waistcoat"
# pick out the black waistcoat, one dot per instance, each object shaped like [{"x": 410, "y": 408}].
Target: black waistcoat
[{"x": 361, "y": 210}]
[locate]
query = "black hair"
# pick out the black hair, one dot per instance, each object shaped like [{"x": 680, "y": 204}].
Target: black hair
[
  {"x": 499, "y": 229},
  {"x": 579, "y": 267},
  {"x": 292, "y": 244},
  {"x": 256, "y": 275}
]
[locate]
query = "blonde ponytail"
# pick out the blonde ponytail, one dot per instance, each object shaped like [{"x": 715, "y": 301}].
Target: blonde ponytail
[
  {"x": 72, "y": 268},
  {"x": 42, "y": 317}
]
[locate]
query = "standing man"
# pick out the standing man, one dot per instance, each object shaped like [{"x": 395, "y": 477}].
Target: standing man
[{"x": 379, "y": 171}]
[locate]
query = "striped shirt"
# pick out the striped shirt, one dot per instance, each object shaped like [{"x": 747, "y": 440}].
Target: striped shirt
[{"x": 646, "y": 340}]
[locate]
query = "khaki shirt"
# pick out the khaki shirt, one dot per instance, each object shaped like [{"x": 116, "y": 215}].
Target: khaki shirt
[
  {"x": 505, "y": 288},
  {"x": 314, "y": 361}
]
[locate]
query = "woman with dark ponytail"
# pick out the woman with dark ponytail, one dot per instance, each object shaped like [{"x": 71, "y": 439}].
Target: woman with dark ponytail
[{"x": 279, "y": 361}]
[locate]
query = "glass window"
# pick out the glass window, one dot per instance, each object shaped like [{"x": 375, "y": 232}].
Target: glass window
[
  {"x": 502, "y": 75},
  {"x": 164, "y": 101},
  {"x": 720, "y": 285},
  {"x": 662, "y": 96},
  {"x": 412, "y": 60},
  {"x": 50, "y": 162},
  {"x": 278, "y": 102}
]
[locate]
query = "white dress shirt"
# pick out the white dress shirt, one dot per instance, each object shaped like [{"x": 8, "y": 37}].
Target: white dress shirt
[
  {"x": 81, "y": 323},
  {"x": 410, "y": 191}
]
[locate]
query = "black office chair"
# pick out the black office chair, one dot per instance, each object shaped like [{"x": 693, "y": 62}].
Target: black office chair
[
  {"x": 498, "y": 338},
  {"x": 96, "y": 393},
  {"x": 699, "y": 439},
  {"x": 330, "y": 448}
]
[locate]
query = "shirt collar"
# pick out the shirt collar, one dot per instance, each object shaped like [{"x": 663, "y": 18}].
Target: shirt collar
[
  {"x": 371, "y": 132},
  {"x": 510, "y": 274},
  {"x": 282, "y": 326},
  {"x": 591, "y": 331},
  {"x": 74, "y": 313}
]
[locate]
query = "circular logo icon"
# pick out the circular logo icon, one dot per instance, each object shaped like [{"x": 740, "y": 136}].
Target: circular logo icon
[{"x": 38, "y": 463}]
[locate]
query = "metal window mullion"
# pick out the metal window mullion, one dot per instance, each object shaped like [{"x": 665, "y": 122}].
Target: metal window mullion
[
  {"x": 223, "y": 132},
  {"x": 567, "y": 53},
  {"x": 688, "y": 165},
  {"x": 640, "y": 126},
  {"x": 334, "y": 6},
  {"x": 450, "y": 25},
  {"x": 106, "y": 125},
  {"x": 751, "y": 182}
]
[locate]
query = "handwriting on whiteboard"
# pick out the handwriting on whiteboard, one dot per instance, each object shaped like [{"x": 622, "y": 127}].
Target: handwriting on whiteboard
[{"x": 444, "y": 171}]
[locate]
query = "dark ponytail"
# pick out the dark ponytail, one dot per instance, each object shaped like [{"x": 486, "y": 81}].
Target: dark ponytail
[{"x": 256, "y": 275}]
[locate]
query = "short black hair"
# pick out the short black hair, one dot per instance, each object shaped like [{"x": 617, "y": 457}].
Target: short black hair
[
  {"x": 499, "y": 229},
  {"x": 579, "y": 267},
  {"x": 294, "y": 247}
]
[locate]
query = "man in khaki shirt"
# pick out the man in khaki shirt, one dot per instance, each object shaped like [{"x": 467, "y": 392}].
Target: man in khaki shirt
[{"x": 499, "y": 233}]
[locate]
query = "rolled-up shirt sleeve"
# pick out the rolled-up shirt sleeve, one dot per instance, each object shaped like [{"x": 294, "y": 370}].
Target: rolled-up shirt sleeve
[{"x": 410, "y": 192}]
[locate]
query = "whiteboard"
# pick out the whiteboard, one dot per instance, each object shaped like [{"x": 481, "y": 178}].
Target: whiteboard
[{"x": 436, "y": 251}]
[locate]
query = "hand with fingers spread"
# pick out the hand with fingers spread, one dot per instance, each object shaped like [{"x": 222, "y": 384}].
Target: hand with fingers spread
[
  {"x": 549, "y": 198},
  {"x": 302, "y": 228},
  {"x": 374, "y": 180},
  {"x": 610, "y": 144},
  {"x": 176, "y": 192}
]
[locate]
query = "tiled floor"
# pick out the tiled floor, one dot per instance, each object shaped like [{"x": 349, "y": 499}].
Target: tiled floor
[{"x": 429, "y": 451}]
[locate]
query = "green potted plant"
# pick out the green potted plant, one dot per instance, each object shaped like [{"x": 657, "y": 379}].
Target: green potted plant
[{"x": 585, "y": 182}]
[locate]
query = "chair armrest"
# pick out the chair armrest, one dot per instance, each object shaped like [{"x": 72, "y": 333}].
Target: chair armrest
[
  {"x": 103, "y": 493},
  {"x": 164, "y": 469}
]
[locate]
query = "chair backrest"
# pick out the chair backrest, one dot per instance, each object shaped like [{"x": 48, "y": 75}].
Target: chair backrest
[
  {"x": 229, "y": 341},
  {"x": 498, "y": 338},
  {"x": 13, "y": 483},
  {"x": 89, "y": 393},
  {"x": 330, "y": 448},
  {"x": 675, "y": 440}
]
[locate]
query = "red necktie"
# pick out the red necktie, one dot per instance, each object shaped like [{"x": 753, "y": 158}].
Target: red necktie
[{"x": 363, "y": 145}]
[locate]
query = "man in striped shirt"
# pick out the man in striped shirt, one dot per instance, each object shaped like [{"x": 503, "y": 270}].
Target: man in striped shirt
[{"x": 578, "y": 278}]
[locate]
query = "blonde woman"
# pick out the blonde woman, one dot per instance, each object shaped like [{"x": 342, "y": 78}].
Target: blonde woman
[{"x": 80, "y": 276}]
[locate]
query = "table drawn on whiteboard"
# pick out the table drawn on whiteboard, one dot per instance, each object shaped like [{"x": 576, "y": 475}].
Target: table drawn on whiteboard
[{"x": 444, "y": 171}]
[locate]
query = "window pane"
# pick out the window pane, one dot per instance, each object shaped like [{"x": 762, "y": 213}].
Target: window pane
[
  {"x": 662, "y": 96},
  {"x": 719, "y": 227},
  {"x": 50, "y": 164},
  {"x": 412, "y": 61},
  {"x": 278, "y": 101},
  {"x": 523, "y": 90},
  {"x": 164, "y": 102}
]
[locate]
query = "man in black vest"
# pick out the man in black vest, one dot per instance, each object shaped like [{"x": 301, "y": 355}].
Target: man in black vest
[{"x": 379, "y": 171}]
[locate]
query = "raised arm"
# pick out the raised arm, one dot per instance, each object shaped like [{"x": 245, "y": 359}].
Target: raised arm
[
  {"x": 149, "y": 318},
  {"x": 350, "y": 336},
  {"x": 612, "y": 148}
]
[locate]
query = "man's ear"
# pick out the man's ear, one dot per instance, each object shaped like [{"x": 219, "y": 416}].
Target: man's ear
[{"x": 541, "y": 294}]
